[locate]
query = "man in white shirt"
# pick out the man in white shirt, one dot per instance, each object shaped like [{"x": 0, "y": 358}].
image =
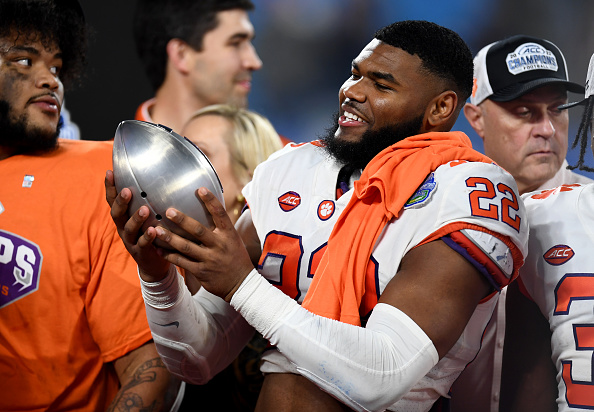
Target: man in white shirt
[
  {"x": 519, "y": 83},
  {"x": 555, "y": 289}
]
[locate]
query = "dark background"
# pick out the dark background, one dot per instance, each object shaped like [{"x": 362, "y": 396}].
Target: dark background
[
  {"x": 115, "y": 83},
  {"x": 307, "y": 47}
]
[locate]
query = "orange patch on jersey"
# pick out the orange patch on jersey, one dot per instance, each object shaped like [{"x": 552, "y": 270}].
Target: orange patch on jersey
[
  {"x": 289, "y": 201},
  {"x": 326, "y": 209},
  {"x": 558, "y": 255}
]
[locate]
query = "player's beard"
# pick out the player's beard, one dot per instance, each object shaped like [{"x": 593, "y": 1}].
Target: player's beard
[
  {"x": 358, "y": 154},
  {"x": 18, "y": 134}
]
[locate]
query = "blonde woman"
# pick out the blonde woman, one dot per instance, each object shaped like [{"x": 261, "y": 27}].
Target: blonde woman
[{"x": 235, "y": 141}]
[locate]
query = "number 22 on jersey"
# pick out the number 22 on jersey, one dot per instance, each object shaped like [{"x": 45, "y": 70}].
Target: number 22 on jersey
[{"x": 283, "y": 253}]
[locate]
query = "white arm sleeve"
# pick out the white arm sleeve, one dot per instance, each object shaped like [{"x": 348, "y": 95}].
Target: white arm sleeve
[
  {"x": 368, "y": 369},
  {"x": 196, "y": 336}
]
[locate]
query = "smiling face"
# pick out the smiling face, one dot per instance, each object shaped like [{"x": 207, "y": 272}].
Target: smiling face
[
  {"x": 31, "y": 95},
  {"x": 383, "y": 101},
  {"x": 527, "y": 136},
  {"x": 222, "y": 70},
  {"x": 387, "y": 87}
]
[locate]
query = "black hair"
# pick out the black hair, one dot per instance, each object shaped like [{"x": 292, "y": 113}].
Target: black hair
[
  {"x": 442, "y": 51},
  {"x": 52, "y": 22},
  {"x": 158, "y": 21},
  {"x": 582, "y": 135}
]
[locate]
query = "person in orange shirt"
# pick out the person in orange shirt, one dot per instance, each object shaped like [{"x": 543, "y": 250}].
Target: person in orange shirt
[{"x": 73, "y": 328}]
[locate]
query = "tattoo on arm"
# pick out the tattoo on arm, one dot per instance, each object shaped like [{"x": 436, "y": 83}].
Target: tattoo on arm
[{"x": 128, "y": 398}]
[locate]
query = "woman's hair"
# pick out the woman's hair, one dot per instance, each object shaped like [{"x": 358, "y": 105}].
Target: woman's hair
[{"x": 252, "y": 140}]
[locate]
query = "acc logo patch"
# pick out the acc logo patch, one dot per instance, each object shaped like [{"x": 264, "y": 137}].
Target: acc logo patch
[
  {"x": 531, "y": 56},
  {"x": 558, "y": 255},
  {"x": 423, "y": 193},
  {"x": 326, "y": 209},
  {"x": 289, "y": 201}
]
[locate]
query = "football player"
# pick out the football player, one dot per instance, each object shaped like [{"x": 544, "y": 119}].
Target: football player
[{"x": 410, "y": 234}]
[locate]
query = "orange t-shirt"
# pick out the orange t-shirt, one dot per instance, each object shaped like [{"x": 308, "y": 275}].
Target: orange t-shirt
[{"x": 70, "y": 300}]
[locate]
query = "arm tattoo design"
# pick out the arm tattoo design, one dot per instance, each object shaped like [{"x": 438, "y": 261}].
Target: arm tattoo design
[{"x": 129, "y": 400}]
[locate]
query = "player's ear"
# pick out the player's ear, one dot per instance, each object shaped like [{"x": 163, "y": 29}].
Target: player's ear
[
  {"x": 442, "y": 110},
  {"x": 179, "y": 54},
  {"x": 474, "y": 115}
]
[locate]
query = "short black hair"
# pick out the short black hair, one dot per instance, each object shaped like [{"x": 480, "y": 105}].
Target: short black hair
[
  {"x": 441, "y": 50},
  {"x": 158, "y": 21},
  {"x": 52, "y": 22}
]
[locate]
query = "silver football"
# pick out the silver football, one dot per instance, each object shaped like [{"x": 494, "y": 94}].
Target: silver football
[{"x": 163, "y": 170}]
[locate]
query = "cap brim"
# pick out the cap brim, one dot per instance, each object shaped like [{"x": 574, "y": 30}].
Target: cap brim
[
  {"x": 572, "y": 104},
  {"x": 514, "y": 91}
]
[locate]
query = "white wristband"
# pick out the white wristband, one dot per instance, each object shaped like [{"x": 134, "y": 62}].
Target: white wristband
[{"x": 164, "y": 293}]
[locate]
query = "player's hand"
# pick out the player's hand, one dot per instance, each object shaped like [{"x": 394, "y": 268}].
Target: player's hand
[
  {"x": 220, "y": 260},
  {"x": 152, "y": 267}
]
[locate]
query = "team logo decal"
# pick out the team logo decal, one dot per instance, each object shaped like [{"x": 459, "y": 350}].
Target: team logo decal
[
  {"x": 531, "y": 56},
  {"x": 558, "y": 255},
  {"x": 326, "y": 209},
  {"x": 28, "y": 180},
  {"x": 546, "y": 193},
  {"x": 423, "y": 193},
  {"x": 289, "y": 201},
  {"x": 20, "y": 265}
]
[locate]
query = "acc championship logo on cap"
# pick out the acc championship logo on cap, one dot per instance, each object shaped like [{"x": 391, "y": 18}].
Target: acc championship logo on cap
[
  {"x": 289, "y": 201},
  {"x": 558, "y": 255},
  {"x": 531, "y": 56}
]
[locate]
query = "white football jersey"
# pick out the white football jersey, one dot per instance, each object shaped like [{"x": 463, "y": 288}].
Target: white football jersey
[
  {"x": 559, "y": 276},
  {"x": 292, "y": 199}
]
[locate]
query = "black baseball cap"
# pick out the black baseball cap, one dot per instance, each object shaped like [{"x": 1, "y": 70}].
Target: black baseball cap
[{"x": 509, "y": 68}]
